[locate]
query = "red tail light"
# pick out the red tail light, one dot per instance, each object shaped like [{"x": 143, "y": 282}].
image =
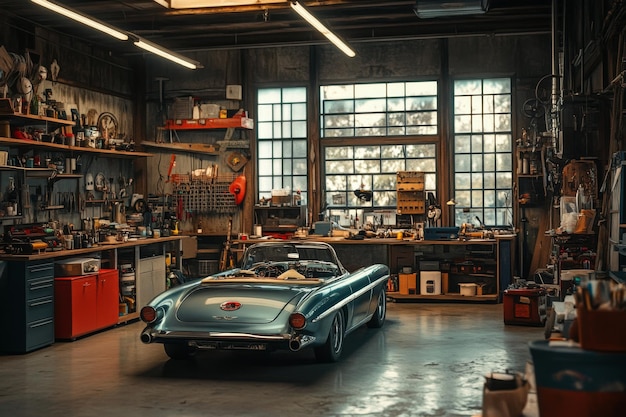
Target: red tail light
[
  {"x": 148, "y": 314},
  {"x": 297, "y": 321}
]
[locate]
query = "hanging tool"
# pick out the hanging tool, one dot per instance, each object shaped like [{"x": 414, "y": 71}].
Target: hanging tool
[
  {"x": 226, "y": 251},
  {"x": 171, "y": 167}
]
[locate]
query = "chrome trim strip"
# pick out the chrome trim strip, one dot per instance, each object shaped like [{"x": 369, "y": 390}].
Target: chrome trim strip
[
  {"x": 218, "y": 336},
  {"x": 349, "y": 299}
]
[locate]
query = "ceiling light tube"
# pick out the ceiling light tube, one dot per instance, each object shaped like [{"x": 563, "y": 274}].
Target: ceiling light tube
[
  {"x": 82, "y": 19},
  {"x": 194, "y": 4},
  {"x": 172, "y": 56},
  {"x": 312, "y": 20}
]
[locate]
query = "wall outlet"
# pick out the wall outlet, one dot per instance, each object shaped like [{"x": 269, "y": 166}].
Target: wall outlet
[{"x": 233, "y": 92}]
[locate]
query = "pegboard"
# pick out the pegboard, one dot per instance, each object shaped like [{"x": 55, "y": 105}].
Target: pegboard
[{"x": 203, "y": 195}]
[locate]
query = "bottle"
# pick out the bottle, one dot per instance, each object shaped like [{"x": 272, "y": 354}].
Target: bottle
[
  {"x": 199, "y": 229},
  {"x": 223, "y": 113}
]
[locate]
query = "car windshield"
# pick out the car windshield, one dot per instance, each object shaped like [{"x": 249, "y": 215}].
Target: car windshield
[{"x": 285, "y": 253}]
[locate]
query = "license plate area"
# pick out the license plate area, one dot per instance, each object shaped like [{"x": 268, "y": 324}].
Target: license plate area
[{"x": 228, "y": 345}]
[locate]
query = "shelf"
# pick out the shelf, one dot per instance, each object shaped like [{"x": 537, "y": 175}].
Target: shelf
[
  {"x": 18, "y": 143},
  {"x": 488, "y": 298},
  {"x": 201, "y": 124},
  {"x": 24, "y": 118},
  {"x": 184, "y": 147}
]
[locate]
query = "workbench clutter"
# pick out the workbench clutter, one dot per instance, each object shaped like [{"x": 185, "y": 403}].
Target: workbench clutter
[
  {"x": 28, "y": 94},
  {"x": 578, "y": 197},
  {"x": 584, "y": 372}
]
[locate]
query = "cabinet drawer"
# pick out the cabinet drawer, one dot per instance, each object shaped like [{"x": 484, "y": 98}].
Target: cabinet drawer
[
  {"x": 39, "y": 334},
  {"x": 39, "y": 287},
  {"x": 39, "y": 309},
  {"x": 39, "y": 270}
]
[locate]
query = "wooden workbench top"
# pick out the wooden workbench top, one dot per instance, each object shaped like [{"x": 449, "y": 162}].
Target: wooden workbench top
[{"x": 83, "y": 251}]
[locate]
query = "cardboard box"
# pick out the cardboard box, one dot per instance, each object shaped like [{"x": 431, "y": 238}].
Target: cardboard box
[{"x": 408, "y": 283}]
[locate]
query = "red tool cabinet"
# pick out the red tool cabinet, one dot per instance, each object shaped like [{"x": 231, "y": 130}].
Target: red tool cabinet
[
  {"x": 86, "y": 303},
  {"x": 525, "y": 306}
]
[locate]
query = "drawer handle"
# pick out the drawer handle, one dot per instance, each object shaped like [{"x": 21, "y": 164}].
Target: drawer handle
[
  {"x": 45, "y": 268},
  {"x": 40, "y": 285},
  {"x": 40, "y": 303},
  {"x": 43, "y": 323}
]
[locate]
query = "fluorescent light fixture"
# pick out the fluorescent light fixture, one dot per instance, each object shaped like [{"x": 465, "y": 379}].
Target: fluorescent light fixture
[
  {"x": 312, "y": 20},
  {"x": 172, "y": 56},
  {"x": 427, "y": 9},
  {"x": 148, "y": 46},
  {"x": 82, "y": 19},
  {"x": 196, "y": 4}
]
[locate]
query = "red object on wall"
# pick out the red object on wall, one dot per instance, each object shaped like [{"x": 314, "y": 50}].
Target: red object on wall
[
  {"x": 238, "y": 189},
  {"x": 86, "y": 303}
]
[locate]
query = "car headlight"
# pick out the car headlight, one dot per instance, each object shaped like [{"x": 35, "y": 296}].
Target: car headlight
[{"x": 297, "y": 321}]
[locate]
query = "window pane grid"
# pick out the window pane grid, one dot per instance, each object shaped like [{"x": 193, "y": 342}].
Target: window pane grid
[
  {"x": 349, "y": 168},
  {"x": 282, "y": 141},
  {"x": 483, "y": 149},
  {"x": 380, "y": 109}
]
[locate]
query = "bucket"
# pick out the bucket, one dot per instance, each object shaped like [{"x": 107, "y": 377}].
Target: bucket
[{"x": 575, "y": 382}]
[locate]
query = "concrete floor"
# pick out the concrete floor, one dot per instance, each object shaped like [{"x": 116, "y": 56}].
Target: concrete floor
[{"x": 428, "y": 360}]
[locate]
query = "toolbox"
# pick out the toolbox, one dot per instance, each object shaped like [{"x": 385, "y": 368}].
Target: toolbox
[{"x": 525, "y": 306}]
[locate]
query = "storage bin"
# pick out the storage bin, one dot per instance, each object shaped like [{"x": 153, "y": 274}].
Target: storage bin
[
  {"x": 575, "y": 382},
  {"x": 525, "y": 306},
  {"x": 408, "y": 284},
  {"x": 602, "y": 330},
  {"x": 468, "y": 288}
]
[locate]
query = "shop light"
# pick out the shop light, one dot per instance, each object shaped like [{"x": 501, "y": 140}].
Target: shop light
[
  {"x": 123, "y": 36},
  {"x": 82, "y": 19},
  {"x": 172, "y": 56},
  {"x": 312, "y": 20},
  {"x": 196, "y": 4}
]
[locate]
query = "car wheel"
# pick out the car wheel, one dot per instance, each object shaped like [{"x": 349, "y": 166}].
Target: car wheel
[
  {"x": 178, "y": 351},
  {"x": 331, "y": 350},
  {"x": 378, "y": 319}
]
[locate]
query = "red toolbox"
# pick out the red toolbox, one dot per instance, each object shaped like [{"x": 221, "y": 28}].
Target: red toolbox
[{"x": 525, "y": 306}]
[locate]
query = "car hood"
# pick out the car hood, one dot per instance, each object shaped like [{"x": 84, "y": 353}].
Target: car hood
[{"x": 240, "y": 304}]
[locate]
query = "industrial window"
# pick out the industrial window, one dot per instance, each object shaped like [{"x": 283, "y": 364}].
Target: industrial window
[
  {"x": 374, "y": 167},
  {"x": 387, "y": 111},
  {"x": 483, "y": 151},
  {"x": 378, "y": 109},
  {"x": 282, "y": 141}
]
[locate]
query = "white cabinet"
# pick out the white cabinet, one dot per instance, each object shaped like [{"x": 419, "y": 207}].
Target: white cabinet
[{"x": 151, "y": 277}]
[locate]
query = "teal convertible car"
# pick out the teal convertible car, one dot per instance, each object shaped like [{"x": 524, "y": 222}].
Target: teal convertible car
[{"x": 285, "y": 295}]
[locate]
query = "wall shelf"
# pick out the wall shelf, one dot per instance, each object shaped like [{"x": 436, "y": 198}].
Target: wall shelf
[
  {"x": 109, "y": 153},
  {"x": 237, "y": 122},
  {"x": 195, "y": 148}
]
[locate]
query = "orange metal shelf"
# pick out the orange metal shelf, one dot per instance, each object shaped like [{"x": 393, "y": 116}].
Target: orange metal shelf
[{"x": 199, "y": 124}]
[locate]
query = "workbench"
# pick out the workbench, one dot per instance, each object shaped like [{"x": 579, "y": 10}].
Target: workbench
[{"x": 485, "y": 261}]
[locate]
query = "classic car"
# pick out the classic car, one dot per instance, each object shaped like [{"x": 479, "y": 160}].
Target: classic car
[{"x": 284, "y": 295}]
